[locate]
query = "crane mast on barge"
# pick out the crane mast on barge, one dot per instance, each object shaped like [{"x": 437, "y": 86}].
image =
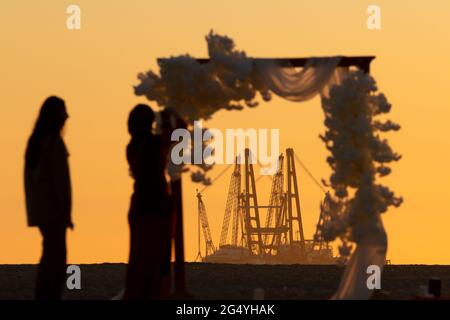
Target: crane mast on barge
[{"x": 276, "y": 241}]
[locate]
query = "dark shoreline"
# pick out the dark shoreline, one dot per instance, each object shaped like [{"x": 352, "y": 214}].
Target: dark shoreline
[{"x": 222, "y": 281}]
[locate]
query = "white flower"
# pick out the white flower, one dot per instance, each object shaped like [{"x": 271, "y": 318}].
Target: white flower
[
  {"x": 196, "y": 91},
  {"x": 358, "y": 154}
]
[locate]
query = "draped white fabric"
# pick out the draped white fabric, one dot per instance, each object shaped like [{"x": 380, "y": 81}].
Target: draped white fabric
[
  {"x": 317, "y": 77},
  {"x": 371, "y": 251},
  {"x": 285, "y": 81}
]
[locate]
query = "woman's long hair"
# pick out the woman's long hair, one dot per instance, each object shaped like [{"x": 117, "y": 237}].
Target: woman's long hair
[{"x": 50, "y": 122}]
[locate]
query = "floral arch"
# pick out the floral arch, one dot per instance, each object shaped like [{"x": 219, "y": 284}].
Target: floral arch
[{"x": 359, "y": 155}]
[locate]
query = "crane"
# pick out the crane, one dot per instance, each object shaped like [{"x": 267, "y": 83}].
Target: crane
[
  {"x": 281, "y": 238},
  {"x": 275, "y": 206},
  {"x": 319, "y": 242},
  {"x": 203, "y": 222},
  {"x": 232, "y": 208}
]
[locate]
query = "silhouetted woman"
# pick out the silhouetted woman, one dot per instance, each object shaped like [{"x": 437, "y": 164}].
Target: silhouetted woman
[
  {"x": 48, "y": 195},
  {"x": 150, "y": 210}
]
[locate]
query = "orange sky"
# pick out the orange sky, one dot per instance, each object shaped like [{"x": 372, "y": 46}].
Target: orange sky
[{"x": 94, "y": 69}]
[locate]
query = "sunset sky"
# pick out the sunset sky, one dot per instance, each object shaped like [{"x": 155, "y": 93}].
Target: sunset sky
[{"x": 94, "y": 69}]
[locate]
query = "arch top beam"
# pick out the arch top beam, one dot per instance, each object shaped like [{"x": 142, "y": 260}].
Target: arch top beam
[{"x": 361, "y": 62}]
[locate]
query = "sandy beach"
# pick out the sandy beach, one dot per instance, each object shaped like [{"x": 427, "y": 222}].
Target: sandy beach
[{"x": 220, "y": 281}]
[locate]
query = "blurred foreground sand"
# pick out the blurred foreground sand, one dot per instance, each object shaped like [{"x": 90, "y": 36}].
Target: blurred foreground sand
[{"x": 220, "y": 281}]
